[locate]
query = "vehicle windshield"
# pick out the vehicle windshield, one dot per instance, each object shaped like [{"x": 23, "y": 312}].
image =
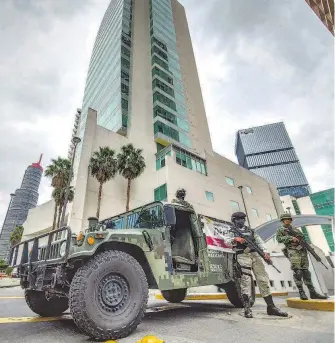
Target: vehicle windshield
[{"x": 150, "y": 216}]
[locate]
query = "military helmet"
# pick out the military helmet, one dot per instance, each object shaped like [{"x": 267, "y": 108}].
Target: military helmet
[
  {"x": 238, "y": 215},
  {"x": 285, "y": 216}
]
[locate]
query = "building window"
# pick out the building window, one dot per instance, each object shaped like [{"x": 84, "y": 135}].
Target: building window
[
  {"x": 190, "y": 161},
  {"x": 268, "y": 217},
  {"x": 255, "y": 283},
  {"x": 160, "y": 193},
  {"x": 235, "y": 206},
  {"x": 229, "y": 181},
  {"x": 289, "y": 283},
  {"x": 160, "y": 160},
  {"x": 255, "y": 212},
  {"x": 282, "y": 283},
  {"x": 249, "y": 190},
  {"x": 209, "y": 196},
  {"x": 271, "y": 283}
]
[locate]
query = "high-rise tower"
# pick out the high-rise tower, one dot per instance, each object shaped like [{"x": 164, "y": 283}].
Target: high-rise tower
[
  {"x": 324, "y": 9},
  {"x": 143, "y": 88},
  {"x": 268, "y": 152},
  {"x": 22, "y": 201}
]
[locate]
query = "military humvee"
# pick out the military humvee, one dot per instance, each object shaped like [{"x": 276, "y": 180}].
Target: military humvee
[{"x": 103, "y": 274}]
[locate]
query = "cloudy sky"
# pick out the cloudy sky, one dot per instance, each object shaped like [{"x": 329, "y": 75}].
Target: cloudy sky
[{"x": 259, "y": 62}]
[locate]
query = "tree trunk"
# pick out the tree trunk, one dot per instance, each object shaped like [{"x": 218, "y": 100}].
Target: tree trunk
[
  {"x": 128, "y": 195},
  {"x": 55, "y": 217},
  {"x": 99, "y": 200},
  {"x": 59, "y": 215}
]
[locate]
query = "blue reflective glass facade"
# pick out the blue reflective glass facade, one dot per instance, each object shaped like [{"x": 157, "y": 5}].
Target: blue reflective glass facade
[
  {"x": 169, "y": 109},
  {"x": 108, "y": 80},
  {"x": 268, "y": 152}
]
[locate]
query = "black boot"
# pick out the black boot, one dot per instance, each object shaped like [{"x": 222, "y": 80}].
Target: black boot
[
  {"x": 247, "y": 309},
  {"x": 272, "y": 310},
  {"x": 315, "y": 295},
  {"x": 302, "y": 293}
]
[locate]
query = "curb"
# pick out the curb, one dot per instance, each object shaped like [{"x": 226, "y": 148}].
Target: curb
[
  {"x": 10, "y": 286},
  {"x": 312, "y": 305},
  {"x": 216, "y": 296}
]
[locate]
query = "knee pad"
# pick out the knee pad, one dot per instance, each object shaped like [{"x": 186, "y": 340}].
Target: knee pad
[{"x": 298, "y": 274}]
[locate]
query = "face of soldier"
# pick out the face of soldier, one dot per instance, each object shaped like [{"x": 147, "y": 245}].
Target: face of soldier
[
  {"x": 287, "y": 222},
  {"x": 239, "y": 222}
]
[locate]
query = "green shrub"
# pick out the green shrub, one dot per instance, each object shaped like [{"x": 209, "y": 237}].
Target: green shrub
[{"x": 9, "y": 270}]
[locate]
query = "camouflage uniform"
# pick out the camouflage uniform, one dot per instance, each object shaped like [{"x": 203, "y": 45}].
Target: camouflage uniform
[
  {"x": 249, "y": 261},
  {"x": 298, "y": 257},
  {"x": 180, "y": 195}
]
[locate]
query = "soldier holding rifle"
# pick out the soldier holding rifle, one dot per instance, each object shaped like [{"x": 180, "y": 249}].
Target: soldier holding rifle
[
  {"x": 296, "y": 250},
  {"x": 250, "y": 250}
]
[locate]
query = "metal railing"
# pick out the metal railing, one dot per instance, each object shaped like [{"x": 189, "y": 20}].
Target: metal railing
[{"x": 31, "y": 252}]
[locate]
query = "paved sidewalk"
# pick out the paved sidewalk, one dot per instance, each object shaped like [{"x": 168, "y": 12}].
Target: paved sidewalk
[{"x": 9, "y": 282}]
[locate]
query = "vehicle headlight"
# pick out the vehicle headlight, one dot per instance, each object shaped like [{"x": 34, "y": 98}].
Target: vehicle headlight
[{"x": 62, "y": 249}]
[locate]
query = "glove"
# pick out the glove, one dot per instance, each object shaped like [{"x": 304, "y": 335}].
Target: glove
[
  {"x": 239, "y": 239},
  {"x": 267, "y": 256}
]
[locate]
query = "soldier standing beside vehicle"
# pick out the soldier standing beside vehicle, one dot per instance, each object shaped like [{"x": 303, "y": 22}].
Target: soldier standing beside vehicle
[
  {"x": 298, "y": 257},
  {"x": 250, "y": 260}
]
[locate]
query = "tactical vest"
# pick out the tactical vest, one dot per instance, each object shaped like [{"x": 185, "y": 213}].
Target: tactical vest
[{"x": 248, "y": 233}]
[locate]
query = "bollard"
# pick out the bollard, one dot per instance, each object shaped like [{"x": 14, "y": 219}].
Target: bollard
[{"x": 150, "y": 339}]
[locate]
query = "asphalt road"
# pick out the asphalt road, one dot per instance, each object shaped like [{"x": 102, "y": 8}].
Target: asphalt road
[{"x": 190, "y": 322}]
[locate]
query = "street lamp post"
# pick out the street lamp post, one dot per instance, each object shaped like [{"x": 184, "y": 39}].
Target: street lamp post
[
  {"x": 245, "y": 207},
  {"x": 75, "y": 141}
]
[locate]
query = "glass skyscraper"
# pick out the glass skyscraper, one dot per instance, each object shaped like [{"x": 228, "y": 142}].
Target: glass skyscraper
[
  {"x": 169, "y": 109},
  {"x": 268, "y": 152},
  {"x": 22, "y": 201},
  {"x": 109, "y": 77}
]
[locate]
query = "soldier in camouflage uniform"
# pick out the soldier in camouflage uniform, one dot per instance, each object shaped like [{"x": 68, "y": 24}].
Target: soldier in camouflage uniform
[
  {"x": 249, "y": 261},
  {"x": 180, "y": 195},
  {"x": 298, "y": 257}
]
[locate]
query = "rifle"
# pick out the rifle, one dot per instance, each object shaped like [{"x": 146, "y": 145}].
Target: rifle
[
  {"x": 253, "y": 246},
  {"x": 304, "y": 244}
]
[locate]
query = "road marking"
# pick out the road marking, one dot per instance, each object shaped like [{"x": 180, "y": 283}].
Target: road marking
[
  {"x": 214, "y": 296},
  {"x": 9, "y": 320},
  {"x": 11, "y": 297}
]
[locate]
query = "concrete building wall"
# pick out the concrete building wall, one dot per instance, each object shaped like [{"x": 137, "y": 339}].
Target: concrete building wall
[{"x": 39, "y": 220}]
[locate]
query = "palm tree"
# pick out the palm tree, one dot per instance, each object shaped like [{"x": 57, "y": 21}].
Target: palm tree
[
  {"x": 16, "y": 235},
  {"x": 59, "y": 172},
  {"x": 131, "y": 165},
  {"x": 59, "y": 196},
  {"x": 103, "y": 165}
]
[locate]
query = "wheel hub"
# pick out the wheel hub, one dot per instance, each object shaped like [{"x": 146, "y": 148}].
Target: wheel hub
[{"x": 113, "y": 292}]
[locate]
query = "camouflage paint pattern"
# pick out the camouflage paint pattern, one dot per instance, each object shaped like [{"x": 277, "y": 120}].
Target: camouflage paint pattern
[{"x": 160, "y": 258}]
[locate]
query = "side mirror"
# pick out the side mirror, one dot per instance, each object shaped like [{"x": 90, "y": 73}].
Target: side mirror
[
  {"x": 92, "y": 221},
  {"x": 170, "y": 215}
]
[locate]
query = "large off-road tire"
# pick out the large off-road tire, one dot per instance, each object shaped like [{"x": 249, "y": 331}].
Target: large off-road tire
[
  {"x": 175, "y": 295},
  {"x": 108, "y": 296},
  {"x": 39, "y": 304},
  {"x": 234, "y": 294}
]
